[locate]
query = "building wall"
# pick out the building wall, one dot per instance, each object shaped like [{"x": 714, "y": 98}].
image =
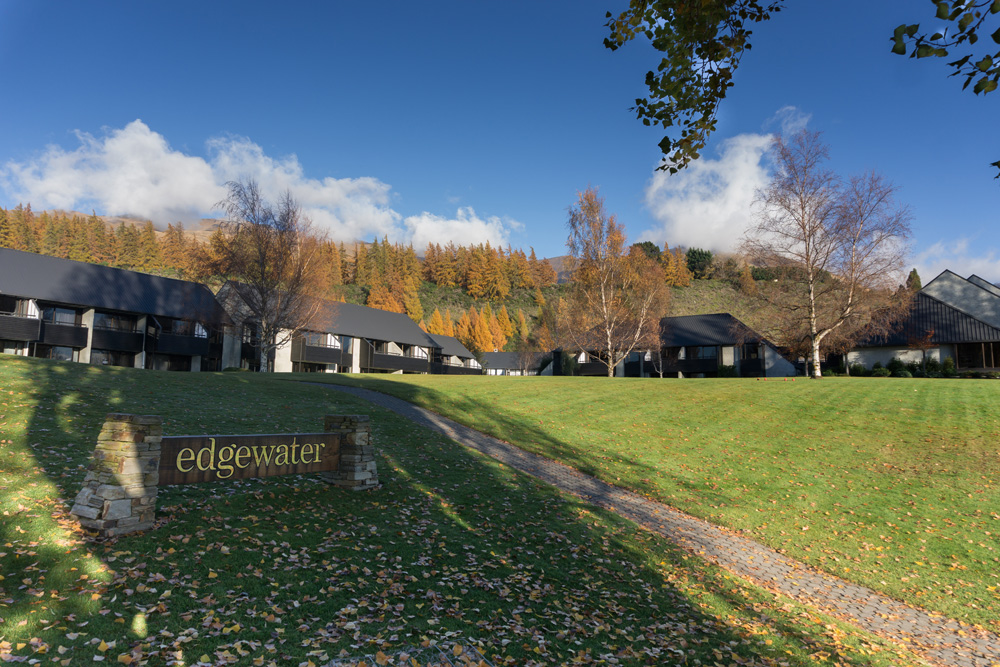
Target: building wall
[
  {"x": 868, "y": 356},
  {"x": 283, "y": 356},
  {"x": 775, "y": 365},
  {"x": 965, "y": 296}
]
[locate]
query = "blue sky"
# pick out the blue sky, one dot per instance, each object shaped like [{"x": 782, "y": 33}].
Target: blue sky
[{"x": 469, "y": 121}]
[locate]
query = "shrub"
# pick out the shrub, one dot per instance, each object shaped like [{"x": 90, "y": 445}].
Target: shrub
[
  {"x": 727, "y": 371},
  {"x": 858, "y": 370},
  {"x": 881, "y": 372},
  {"x": 915, "y": 367},
  {"x": 948, "y": 368},
  {"x": 902, "y": 373},
  {"x": 895, "y": 365},
  {"x": 876, "y": 366},
  {"x": 933, "y": 366}
]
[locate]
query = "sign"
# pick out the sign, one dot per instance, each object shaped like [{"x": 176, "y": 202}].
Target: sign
[{"x": 191, "y": 459}]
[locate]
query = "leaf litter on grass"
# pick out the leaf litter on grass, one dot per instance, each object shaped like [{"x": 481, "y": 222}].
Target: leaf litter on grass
[{"x": 454, "y": 549}]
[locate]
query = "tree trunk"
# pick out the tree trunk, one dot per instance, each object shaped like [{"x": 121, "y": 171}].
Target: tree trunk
[{"x": 817, "y": 373}]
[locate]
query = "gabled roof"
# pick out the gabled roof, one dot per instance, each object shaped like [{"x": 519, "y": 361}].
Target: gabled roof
[
  {"x": 32, "y": 276},
  {"x": 714, "y": 329},
  {"x": 507, "y": 360},
  {"x": 968, "y": 297},
  {"x": 348, "y": 319},
  {"x": 944, "y": 323},
  {"x": 451, "y": 346},
  {"x": 985, "y": 284}
]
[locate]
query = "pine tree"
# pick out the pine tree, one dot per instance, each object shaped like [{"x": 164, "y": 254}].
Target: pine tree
[
  {"x": 482, "y": 337},
  {"x": 362, "y": 275},
  {"x": 127, "y": 250},
  {"x": 505, "y": 324},
  {"x": 523, "y": 330},
  {"x": 449, "y": 324},
  {"x": 6, "y": 232},
  {"x": 497, "y": 333},
  {"x": 380, "y": 297},
  {"x": 463, "y": 330},
  {"x": 150, "y": 258}
]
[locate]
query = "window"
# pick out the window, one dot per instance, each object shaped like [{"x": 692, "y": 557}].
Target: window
[
  {"x": 57, "y": 352},
  {"x": 56, "y": 315},
  {"x": 474, "y": 364},
  {"x": 751, "y": 351},
  {"x": 115, "y": 322},
  {"x": 111, "y": 358},
  {"x": 316, "y": 339},
  {"x": 703, "y": 352},
  {"x": 170, "y": 362},
  {"x": 417, "y": 352}
]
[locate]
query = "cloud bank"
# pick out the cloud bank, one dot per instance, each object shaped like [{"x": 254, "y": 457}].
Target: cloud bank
[
  {"x": 956, "y": 255},
  {"x": 133, "y": 170},
  {"x": 708, "y": 204}
]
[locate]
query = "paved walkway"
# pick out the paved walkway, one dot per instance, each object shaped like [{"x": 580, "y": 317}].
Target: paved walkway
[{"x": 940, "y": 639}]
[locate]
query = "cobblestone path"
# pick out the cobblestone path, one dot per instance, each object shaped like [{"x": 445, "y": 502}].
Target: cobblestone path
[{"x": 940, "y": 639}]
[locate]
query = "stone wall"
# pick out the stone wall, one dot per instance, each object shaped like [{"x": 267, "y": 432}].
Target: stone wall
[
  {"x": 119, "y": 491},
  {"x": 358, "y": 470}
]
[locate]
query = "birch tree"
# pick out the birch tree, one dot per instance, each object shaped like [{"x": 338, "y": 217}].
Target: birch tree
[
  {"x": 837, "y": 248},
  {"x": 618, "y": 294}
]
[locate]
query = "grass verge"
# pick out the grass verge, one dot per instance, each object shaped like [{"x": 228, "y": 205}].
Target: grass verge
[
  {"x": 890, "y": 483},
  {"x": 453, "y": 548}
]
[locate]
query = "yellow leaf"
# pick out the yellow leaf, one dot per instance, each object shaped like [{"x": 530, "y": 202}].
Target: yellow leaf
[
  {"x": 212, "y": 574},
  {"x": 381, "y": 658},
  {"x": 103, "y": 646},
  {"x": 125, "y": 659},
  {"x": 457, "y": 650}
]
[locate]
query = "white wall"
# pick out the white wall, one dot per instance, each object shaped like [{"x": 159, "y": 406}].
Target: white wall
[
  {"x": 868, "y": 356},
  {"x": 283, "y": 356}
]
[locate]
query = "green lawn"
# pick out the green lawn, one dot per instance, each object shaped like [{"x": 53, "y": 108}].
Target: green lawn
[
  {"x": 453, "y": 548},
  {"x": 891, "y": 483}
]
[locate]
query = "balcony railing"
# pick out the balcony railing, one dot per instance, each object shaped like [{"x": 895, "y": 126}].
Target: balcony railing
[
  {"x": 317, "y": 354},
  {"x": 15, "y": 327},
  {"x": 184, "y": 345},
  {"x": 396, "y": 362},
  {"x": 63, "y": 335},
  {"x": 116, "y": 339}
]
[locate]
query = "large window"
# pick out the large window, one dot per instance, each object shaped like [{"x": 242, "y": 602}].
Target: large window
[
  {"x": 703, "y": 352},
  {"x": 57, "y": 352},
  {"x": 57, "y": 315},
  {"x": 316, "y": 339},
  {"x": 112, "y": 358},
  {"x": 115, "y": 322}
]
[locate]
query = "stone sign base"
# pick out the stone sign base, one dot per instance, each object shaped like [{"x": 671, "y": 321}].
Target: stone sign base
[{"x": 119, "y": 491}]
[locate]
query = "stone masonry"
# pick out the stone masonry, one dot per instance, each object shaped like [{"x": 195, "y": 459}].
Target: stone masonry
[
  {"x": 119, "y": 491},
  {"x": 358, "y": 470}
]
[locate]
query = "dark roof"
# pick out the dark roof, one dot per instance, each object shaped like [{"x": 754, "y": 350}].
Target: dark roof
[
  {"x": 948, "y": 324},
  {"x": 508, "y": 360},
  {"x": 985, "y": 284},
  {"x": 451, "y": 346},
  {"x": 32, "y": 276},
  {"x": 348, "y": 319},
  {"x": 715, "y": 329}
]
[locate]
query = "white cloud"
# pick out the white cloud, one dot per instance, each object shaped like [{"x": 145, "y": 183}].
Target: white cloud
[
  {"x": 133, "y": 170},
  {"x": 707, "y": 205},
  {"x": 955, "y": 255},
  {"x": 789, "y": 120},
  {"x": 130, "y": 170},
  {"x": 466, "y": 228}
]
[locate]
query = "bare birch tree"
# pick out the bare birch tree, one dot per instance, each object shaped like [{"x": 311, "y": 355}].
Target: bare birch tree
[
  {"x": 618, "y": 295},
  {"x": 271, "y": 256},
  {"x": 837, "y": 248}
]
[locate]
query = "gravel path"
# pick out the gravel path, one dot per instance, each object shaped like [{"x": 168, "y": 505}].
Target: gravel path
[{"x": 939, "y": 638}]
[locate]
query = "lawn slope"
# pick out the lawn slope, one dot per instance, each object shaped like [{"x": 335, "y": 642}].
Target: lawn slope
[
  {"x": 453, "y": 548},
  {"x": 890, "y": 483}
]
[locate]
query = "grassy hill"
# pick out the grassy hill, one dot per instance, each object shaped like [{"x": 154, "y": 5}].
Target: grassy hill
[
  {"x": 893, "y": 484},
  {"x": 454, "y": 549}
]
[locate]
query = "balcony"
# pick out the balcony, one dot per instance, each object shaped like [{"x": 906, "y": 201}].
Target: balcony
[
  {"x": 63, "y": 335},
  {"x": 318, "y": 354},
  {"x": 439, "y": 368},
  {"x": 395, "y": 362},
  {"x": 750, "y": 368},
  {"x": 13, "y": 327},
  {"x": 189, "y": 346},
  {"x": 115, "y": 339}
]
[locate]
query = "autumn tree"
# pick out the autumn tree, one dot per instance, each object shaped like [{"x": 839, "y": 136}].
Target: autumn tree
[
  {"x": 837, "y": 248},
  {"x": 268, "y": 255},
  {"x": 617, "y": 295}
]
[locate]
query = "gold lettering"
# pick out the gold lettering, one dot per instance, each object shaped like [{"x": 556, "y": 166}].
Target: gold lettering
[
  {"x": 225, "y": 456},
  {"x": 211, "y": 456},
  {"x": 282, "y": 458},
  {"x": 295, "y": 461},
  {"x": 183, "y": 458},
  {"x": 262, "y": 454},
  {"x": 318, "y": 450},
  {"x": 307, "y": 450},
  {"x": 242, "y": 453}
]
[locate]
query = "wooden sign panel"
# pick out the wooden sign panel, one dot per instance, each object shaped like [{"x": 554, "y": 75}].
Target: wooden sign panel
[{"x": 191, "y": 459}]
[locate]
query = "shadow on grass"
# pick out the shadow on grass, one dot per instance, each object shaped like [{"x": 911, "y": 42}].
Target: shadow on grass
[{"x": 453, "y": 547}]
